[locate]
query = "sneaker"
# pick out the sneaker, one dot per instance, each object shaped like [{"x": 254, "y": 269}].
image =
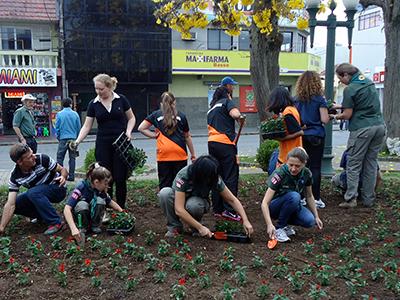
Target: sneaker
[
  {"x": 171, "y": 233},
  {"x": 231, "y": 216},
  {"x": 96, "y": 230},
  {"x": 348, "y": 204},
  {"x": 53, "y": 229},
  {"x": 303, "y": 202},
  {"x": 319, "y": 204},
  {"x": 281, "y": 235},
  {"x": 106, "y": 218},
  {"x": 289, "y": 230}
]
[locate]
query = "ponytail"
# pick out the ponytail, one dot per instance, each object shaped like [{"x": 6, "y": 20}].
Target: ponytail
[
  {"x": 95, "y": 171},
  {"x": 169, "y": 112}
]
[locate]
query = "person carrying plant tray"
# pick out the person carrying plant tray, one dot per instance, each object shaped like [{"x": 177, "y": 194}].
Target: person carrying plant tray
[
  {"x": 188, "y": 199},
  {"x": 88, "y": 201},
  {"x": 281, "y": 103},
  {"x": 282, "y": 200}
]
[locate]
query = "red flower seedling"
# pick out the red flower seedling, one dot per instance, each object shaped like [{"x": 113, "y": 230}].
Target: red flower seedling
[{"x": 182, "y": 281}]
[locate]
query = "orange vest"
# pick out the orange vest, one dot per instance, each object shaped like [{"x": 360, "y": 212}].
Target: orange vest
[{"x": 286, "y": 146}]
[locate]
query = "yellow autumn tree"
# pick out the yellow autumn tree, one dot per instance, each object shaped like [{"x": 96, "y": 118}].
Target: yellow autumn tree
[{"x": 265, "y": 38}]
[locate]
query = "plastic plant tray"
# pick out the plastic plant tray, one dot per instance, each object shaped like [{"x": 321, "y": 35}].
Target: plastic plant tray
[
  {"x": 273, "y": 135},
  {"x": 122, "y": 145}
]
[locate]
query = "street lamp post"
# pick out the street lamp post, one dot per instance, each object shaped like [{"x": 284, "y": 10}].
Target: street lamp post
[{"x": 331, "y": 24}]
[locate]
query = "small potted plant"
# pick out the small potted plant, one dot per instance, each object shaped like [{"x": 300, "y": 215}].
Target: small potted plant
[
  {"x": 273, "y": 128},
  {"x": 121, "y": 223}
]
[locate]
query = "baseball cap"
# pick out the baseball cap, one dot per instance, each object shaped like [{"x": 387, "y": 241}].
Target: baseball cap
[
  {"x": 28, "y": 97},
  {"x": 228, "y": 80}
]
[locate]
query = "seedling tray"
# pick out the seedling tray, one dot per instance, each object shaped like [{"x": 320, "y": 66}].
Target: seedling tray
[
  {"x": 273, "y": 135},
  {"x": 123, "y": 231},
  {"x": 122, "y": 145}
]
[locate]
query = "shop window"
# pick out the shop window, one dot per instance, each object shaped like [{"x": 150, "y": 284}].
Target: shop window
[
  {"x": 244, "y": 40},
  {"x": 217, "y": 39},
  {"x": 370, "y": 20},
  {"x": 287, "y": 44}
]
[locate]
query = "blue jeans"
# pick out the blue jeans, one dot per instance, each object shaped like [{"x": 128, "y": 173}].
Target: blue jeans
[
  {"x": 61, "y": 151},
  {"x": 288, "y": 210},
  {"x": 36, "y": 202}
]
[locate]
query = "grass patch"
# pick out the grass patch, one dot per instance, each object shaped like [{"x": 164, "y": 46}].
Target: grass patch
[{"x": 248, "y": 159}]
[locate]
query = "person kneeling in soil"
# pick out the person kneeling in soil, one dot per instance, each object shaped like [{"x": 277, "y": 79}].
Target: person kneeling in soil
[
  {"x": 282, "y": 200},
  {"x": 188, "y": 199},
  {"x": 45, "y": 180},
  {"x": 88, "y": 201}
]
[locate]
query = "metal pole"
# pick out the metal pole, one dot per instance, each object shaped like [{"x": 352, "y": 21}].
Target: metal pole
[
  {"x": 62, "y": 53},
  {"x": 326, "y": 168}
]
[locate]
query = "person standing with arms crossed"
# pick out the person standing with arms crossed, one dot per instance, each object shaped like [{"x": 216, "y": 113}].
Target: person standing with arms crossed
[
  {"x": 172, "y": 134},
  {"x": 221, "y": 143},
  {"x": 68, "y": 125},
  {"x": 24, "y": 122},
  {"x": 114, "y": 115}
]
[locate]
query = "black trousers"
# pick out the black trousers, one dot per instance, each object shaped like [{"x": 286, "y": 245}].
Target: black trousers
[
  {"x": 31, "y": 142},
  {"x": 314, "y": 146},
  {"x": 228, "y": 170},
  {"x": 107, "y": 157},
  {"x": 167, "y": 171}
]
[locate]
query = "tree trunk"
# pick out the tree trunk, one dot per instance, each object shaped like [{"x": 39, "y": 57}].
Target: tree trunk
[
  {"x": 391, "y": 107},
  {"x": 264, "y": 64},
  {"x": 391, "y": 100}
]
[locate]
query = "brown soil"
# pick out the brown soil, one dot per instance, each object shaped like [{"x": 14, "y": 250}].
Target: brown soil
[{"x": 336, "y": 221}]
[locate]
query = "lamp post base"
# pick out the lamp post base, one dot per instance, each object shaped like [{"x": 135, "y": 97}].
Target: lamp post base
[{"x": 326, "y": 168}]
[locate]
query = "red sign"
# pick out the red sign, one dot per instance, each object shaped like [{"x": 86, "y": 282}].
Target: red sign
[
  {"x": 379, "y": 77},
  {"x": 16, "y": 94},
  {"x": 247, "y": 99}
]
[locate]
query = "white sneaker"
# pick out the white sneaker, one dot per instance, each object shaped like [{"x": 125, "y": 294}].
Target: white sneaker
[
  {"x": 281, "y": 235},
  {"x": 303, "y": 202},
  {"x": 289, "y": 230},
  {"x": 319, "y": 203}
]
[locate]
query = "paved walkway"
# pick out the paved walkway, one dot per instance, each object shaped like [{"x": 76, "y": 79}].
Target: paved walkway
[{"x": 337, "y": 151}]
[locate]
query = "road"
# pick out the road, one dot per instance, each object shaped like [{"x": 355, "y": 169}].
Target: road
[{"x": 248, "y": 145}]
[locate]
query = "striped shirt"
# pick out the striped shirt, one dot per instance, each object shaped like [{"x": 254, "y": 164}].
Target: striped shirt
[{"x": 44, "y": 172}]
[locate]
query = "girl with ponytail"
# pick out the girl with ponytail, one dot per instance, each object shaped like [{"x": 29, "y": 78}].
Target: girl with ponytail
[{"x": 172, "y": 135}]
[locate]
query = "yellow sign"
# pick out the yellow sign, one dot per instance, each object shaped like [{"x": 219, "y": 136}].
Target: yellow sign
[{"x": 209, "y": 62}]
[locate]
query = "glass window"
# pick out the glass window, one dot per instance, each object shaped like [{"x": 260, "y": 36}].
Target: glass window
[
  {"x": 16, "y": 39},
  {"x": 217, "y": 39},
  {"x": 302, "y": 44},
  {"x": 244, "y": 40},
  {"x": 370, "y": 20},
  {"x": 287, "y": 44}
]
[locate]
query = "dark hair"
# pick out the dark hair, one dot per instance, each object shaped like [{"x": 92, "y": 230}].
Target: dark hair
[
  {"x": 204, "y": 172},
  {"x": 169, "y": 112},
  {"x": 17, "y": 151},
  {"x": 221, "y": 92},
  {"x": 299, "y": 153},
  {"x": 279, "y": 99},
  {"x": 67, "y": 102},
  {"x": 95, "y": 171},
  {"x": 346, "y": 68}
]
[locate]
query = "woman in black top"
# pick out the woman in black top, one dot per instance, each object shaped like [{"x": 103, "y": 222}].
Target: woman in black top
[{"x": 114, "y": 115}]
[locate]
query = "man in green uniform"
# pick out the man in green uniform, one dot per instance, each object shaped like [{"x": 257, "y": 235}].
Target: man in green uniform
[
  {"x": 188, "y": 199},
  {"x": 24, "y": 123},
  {"x": 361, "y": 106}
]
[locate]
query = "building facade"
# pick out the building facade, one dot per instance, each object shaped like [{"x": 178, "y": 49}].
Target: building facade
[
  {"x": 120, "y": 38},
  {"x": 29, "y": 61}
]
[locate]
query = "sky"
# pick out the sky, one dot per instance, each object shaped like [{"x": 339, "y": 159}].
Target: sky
[{"x": 341, "y": 33}]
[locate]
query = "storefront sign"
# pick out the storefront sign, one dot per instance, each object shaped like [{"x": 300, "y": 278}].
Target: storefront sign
[
  {"x": 379, "y": 77},
  {"x": 28, "y": 77},
  {"x": 247, "y": 99},
  {"x": 17, "y": 94},
  {"x": 221, "y": 62}
]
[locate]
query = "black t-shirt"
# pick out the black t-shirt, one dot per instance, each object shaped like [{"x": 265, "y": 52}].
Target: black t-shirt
[
  {"x": 291, "y": 124},
  {"x": 110, "y": 123},
  {"x": 219, "y": 119}
]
